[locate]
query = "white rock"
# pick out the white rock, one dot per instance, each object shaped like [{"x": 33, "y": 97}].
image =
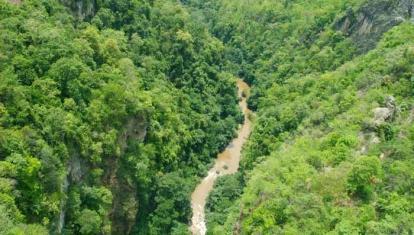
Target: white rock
[{"x": 381, "y": 115}]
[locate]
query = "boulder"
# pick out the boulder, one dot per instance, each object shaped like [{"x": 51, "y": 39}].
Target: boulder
[{"x": 383, "y": 114}]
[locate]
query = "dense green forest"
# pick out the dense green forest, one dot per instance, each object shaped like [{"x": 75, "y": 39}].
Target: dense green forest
[
  {"x": 109, "y": 112},
  {"x": 112, "y": 110},
  {"x": 333, "y": 142}
]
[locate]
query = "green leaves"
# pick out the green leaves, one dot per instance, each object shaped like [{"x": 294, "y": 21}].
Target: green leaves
[
  {"x": 90, "y": 222},
  {"x": 315, "y": 163},
  {"x": 365, "y": 174}
]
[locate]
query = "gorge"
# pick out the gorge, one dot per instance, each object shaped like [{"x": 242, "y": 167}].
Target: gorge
[
  {"x": 206, "y": 117},
  {"x": 226, "y": 163}
]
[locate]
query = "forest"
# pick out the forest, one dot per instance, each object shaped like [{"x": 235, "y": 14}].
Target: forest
[
  {"x": 112, "y": 111},
  {"x": 108, "y": 115}
]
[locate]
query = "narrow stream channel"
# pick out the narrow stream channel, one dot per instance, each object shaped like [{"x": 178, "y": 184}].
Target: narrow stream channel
[{"x": 226, "y": 163}]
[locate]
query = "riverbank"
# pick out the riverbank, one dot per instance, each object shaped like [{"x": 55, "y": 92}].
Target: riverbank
[{"x": 226, "y": 163}]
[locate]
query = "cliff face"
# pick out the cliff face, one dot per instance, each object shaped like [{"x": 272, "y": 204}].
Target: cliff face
[
  {"x": 82, "y": 9},
  {"x": 124, "y": 204},
  {"x": 15, "y": 1},
  {"x": 367, "y": 24}
]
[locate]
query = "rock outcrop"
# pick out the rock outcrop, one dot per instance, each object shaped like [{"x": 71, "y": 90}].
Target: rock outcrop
[
  {"x": 366, "y": 25},
  {"x": 125, "y": 203},
  {"x": 383, "y": 114},
  {"x": 82, "y": 9},
  {"x": 15, "y": 1}
]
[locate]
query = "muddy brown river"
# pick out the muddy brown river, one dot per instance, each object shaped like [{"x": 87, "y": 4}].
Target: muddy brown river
[{"x": 226, "y": 163}]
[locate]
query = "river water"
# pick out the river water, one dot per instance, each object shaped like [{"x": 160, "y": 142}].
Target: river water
[{"x": 226, "y": 163}]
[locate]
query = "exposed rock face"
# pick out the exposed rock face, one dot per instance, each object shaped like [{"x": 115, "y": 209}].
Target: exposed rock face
[
  {"x": 15, "y": 1},
  {"x": 76, "y": 169},
  {"x": 368, "y": 139},
  {"x": 125, "y": 203},
  {"x": 82, "y": 9},
  {"x": 136, "y": 129},
  {"x": 366, "y": 25},
  {"x": 383, "y": 114}
]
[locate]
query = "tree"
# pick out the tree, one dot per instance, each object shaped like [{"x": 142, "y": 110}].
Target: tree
[
  {"x": 364, "y": 175},
  {"x": 89, "y": 222}
]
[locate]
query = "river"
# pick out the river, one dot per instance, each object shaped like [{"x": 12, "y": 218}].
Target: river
[{"x": 226, "y": 163}]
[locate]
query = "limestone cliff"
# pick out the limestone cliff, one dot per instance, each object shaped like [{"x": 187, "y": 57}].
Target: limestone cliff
[
  {"x": 367, "y": 24},
  {"x": 82, "y": 9}
]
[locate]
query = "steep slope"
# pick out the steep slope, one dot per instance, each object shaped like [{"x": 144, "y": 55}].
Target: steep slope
[
  {"x": 332, "y": 145},
  {"x": 346, "y": 168},
  {"x": 109, "y": 113}
]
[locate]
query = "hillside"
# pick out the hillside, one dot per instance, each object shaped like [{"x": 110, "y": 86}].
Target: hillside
[
  {"x": 112, "y": 112},
  {"x": 109, "y": 113},
  {"x": 332, "y": 146}
]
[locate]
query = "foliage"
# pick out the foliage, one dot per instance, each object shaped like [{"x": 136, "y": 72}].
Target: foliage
[
  {"x": 318, "y": 161},
  {"x": 110, "y": 111},
  {"x": 102, "y": 101}
]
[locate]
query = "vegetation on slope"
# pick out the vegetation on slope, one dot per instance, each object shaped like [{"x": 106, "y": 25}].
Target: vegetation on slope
[
  {"x": 346, "y": 169},
  {"x": 332, "y": 144},
  {"x": 107, "y": 115},
  {"x": 109, "y": 110}
]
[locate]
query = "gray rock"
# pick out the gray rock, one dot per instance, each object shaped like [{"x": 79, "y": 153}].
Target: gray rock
[
  {"x": 390, "y": 102},
  {"x": 375, "y": 140},
  {"x": 81, "y": 9},
  {"x": 366, "y": 25},
  {"x": 381, "y": 115}
]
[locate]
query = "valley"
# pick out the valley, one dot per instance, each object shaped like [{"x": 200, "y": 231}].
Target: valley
[{"x": 206, "y": 117}]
